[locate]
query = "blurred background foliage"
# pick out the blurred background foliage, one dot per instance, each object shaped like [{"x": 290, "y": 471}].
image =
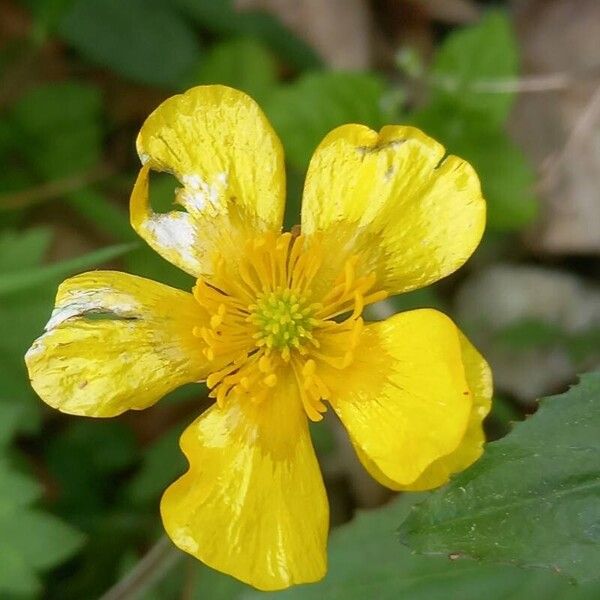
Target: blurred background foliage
[{"x": 510, "y": 86}]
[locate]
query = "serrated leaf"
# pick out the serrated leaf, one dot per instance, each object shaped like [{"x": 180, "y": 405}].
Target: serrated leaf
[
  {"x": 144, "y": 40},
  {"x": 305, "y": 111},
  {"x": 533, "y": 499},
  {"x": 475, "y": 55},
  {"x": 367, "y": 561},
  {"x": 244, "y": 64},
  {"x": 15, "y": 282}
]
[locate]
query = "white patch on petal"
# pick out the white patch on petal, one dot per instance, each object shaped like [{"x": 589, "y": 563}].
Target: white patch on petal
[
  {"x": 81, "y": 302},
  {"x": 197, "y": 194},
  {"x": 234, "y": 417},
  {"x": 174, "y": 231},
  {"x": 144, "y": 158},
  {"x": 38, "y": 347}
]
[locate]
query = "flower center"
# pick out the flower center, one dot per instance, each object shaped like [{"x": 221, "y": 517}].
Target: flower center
[
  {"x": 283, "y": 319},
  {"x": 265, "y": 320}
]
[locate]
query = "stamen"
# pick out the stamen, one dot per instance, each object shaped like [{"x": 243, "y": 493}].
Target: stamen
[{"x": 262, "y": 319}]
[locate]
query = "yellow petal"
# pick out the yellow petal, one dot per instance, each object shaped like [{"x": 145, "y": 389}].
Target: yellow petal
[
  {"x": 229, "y": 162},
  {"x": 412, "y": 213},
  {"x": 253, "y": 503},
  {"x": 479, "y": 379},
  {"x": 115, "y": 342},
  {"x": 404, "y": 400}
]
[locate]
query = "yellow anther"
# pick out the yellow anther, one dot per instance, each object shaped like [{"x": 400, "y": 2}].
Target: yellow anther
[
  {"x": 264, "y": 364},
  {"x": 262, "y": 320},
  {"x": 270, "y": 380},
  {"x": 309, "y": 369}
]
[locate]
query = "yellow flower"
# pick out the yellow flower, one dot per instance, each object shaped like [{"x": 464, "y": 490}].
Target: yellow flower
[{"x": 274, "y": 326}]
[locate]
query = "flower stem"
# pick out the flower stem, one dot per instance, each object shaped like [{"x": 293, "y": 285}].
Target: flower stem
[{"x": 150, "y": 569}]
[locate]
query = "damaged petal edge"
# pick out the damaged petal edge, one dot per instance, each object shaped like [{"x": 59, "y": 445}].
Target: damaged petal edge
[{"x": 90, "y": 301}]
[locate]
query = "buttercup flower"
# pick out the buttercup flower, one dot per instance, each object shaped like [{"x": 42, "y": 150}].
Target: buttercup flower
[{"x": 274, "y": 326}]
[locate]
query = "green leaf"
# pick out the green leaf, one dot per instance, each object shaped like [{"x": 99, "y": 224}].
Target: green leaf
[
  {"x": 16, "y": 489},
  {"x": 101, "y": 212},
  {"x": 506, "y": 176},
  {"x": 46, "y": 108},
  {"x": 366, "y": 561},
  {"x": 144, "y": 40},
  {"x": 58, "y": 128},
  {"x": 285, "y": 43},
  {"x": 17, "y": 579},
  {"x": 533, "y": 499},
  {"x": 21, "y": 318},
  {"x": 82, "y": 473},
  {"x": 473, "y": 56},
  {"x": 10, "y": 415},
  {"x": 582, "y": 345},
  {"x": 530, "y": 333},
  {"x": 216, "y": 586},
  {"x": 163, "y": 462},
  {"x": 23, "y": 249},
  {"x": 244, "y": 64},
  {"x": 31, "y": 541},
  {"x": 14, "y": 282},
  {"x": 322, "y": 438},
  {"x": 503, "y": 416},
  {"x": 305, "y": 111},
  {"x": 222, "y": 18},
  {"x": 145, "y": 262},
  {"x": 40, "y": 538},
  {"x": 46, "y": 15}
]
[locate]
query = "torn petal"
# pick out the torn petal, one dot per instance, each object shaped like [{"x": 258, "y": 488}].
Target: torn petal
[
  {"x": 219, "y": 145},
  {"x": 174, "y": 235}
]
